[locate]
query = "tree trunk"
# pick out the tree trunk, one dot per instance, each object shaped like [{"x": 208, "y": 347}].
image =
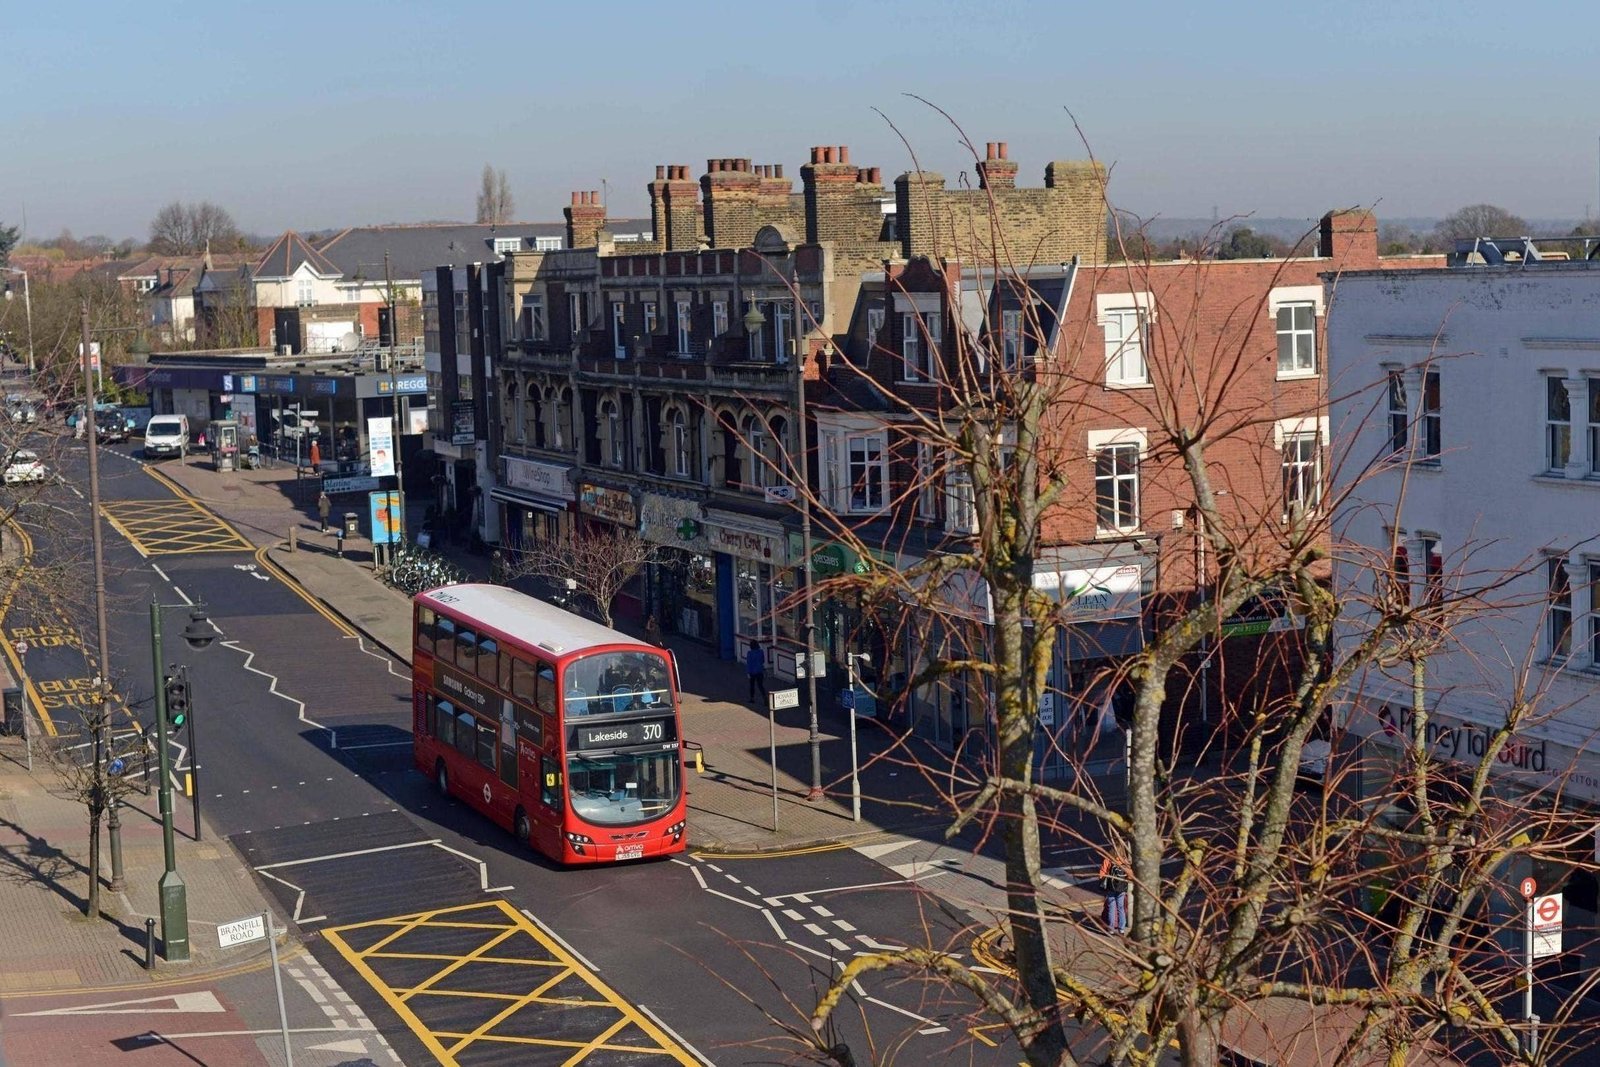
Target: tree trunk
[{"x": 92, "y": 910}]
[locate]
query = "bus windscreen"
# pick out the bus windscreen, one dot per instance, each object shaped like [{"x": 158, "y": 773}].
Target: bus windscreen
[{"x": 617, "y": 683}]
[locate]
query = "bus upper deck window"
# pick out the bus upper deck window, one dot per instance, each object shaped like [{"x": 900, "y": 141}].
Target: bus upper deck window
[
  {"x": 444, "y": 646},
  {"x": 467, "y": 651},
  {"x": 425, "y": 626},
  {"x": 489, "y": 660},
  {"x": 522, "y": 679}
]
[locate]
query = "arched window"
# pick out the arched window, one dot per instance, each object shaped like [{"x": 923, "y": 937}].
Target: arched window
[
  {"x": 758, "y": 448},
  {"x": 611, "y": 427},
  {"x": 561, "y": 421},
  {"x": 511, "y": 413},
  {"x": 678, "y": 443},
  {"x": 535, "y": 413}
]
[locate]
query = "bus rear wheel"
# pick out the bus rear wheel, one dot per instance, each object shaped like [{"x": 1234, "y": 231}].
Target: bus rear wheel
[
  {"x": 522, "y": 827},
  {"x": 441, "y": 778}
]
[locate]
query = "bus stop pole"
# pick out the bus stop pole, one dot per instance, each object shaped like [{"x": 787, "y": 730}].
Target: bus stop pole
[
  {"x": 772, "y": 750},
  {"x": 277, "y": 980}
]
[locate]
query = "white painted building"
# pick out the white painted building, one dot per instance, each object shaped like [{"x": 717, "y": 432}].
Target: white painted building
[{"x": 1466, "y": 417}]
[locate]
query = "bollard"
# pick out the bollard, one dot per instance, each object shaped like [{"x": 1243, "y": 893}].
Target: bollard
[
  {"x": 291, "y": 539},
  {"x": 338, "y": 543},
  {"x": 149, "y": 944}
]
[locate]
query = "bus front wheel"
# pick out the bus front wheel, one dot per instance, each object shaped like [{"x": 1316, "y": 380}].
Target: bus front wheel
[
  {"x": 441, "y": 778},
  {"x": 522, "y": 827}
]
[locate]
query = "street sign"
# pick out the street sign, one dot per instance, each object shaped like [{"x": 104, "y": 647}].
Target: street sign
[
  {"x": 780, "y": 494},
  {"x": 779, "y": 699},
  {"x": 242, "y": 932},
  {"x": 1529, "y": 888},
  {"x": 116, "y": 766},
  {"x": 1547, "y": 912}
]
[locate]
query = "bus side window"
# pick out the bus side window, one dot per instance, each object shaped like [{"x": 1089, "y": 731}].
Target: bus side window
[
  {"x": 488, "y": 660},
  {"x": 549, "y": 782},
  {"x": 467, "y": 651},
  {"x": 545, "y": 701},
  {"x": 467, "y": 734},
  {"x": 522, "y": 679},
  {"x": 504, "y": 681},
  {"x": 487, "y": 735},
  {"x": 425, "y": 624},
  {"x": 508, "y": 765},
  {"x": 444, "y": 642},
  {"x": 430, "y": 716},
  {"x": 445, "y": 723}
]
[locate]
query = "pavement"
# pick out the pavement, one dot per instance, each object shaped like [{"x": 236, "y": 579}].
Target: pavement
[{"x": 740, "y": 802}]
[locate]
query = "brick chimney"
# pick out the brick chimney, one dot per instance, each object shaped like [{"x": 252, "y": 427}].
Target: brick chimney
[
  {"x": 730, "y": 188},
  {"x": 918, "y": 205},
  {"x": 774, "y": 191},
  {"x": 997, "y": 171},
  {"x": 586, "y": 217},
  {"x": 675, "y": 208},
  {"x": 1350, "y": 238},
  {"x": 830, "y": 183}
]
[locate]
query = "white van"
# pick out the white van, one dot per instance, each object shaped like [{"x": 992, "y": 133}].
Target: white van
[{"x": 166, "y": 435}]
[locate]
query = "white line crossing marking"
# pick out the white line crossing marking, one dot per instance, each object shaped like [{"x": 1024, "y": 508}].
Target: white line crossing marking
[
  {"x": 815, "y": 929},
  {"x": 845, "y": 926},
  {"x": 822, "y": 911}
]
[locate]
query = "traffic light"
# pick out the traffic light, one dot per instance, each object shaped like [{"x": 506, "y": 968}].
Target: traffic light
[{"x": 177, "y": 687}]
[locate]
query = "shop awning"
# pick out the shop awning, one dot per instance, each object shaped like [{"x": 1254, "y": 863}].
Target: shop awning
[{"x": 523, "y": 500}]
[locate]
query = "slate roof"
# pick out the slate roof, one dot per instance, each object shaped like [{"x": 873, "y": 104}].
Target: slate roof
[
  {"x": 414, "y": 249},
  {"x": 286, "y": 255}
]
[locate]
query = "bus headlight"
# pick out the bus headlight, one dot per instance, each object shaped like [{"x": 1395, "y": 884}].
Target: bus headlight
[
  {"x": 577, "y": 841},
  {"x": 675, "y": 831}
]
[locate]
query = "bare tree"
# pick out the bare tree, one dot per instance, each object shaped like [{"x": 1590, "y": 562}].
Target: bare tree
[
  {"x": 1253, "y": 903},
  {"x": 1479, "y": 220},
  {"x": 494, "y": 196},
  {"x": 594, "y": 564},
  {"x": 185, "y": 229}
]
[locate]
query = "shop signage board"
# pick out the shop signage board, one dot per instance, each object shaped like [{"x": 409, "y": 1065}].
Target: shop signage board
[
  {"x": 380, "y": 439},
  {"x": 748, "y": 541},
  {"x": 463, "y": 423},
  {"x": 546, "y": 479},
  {"x": 612, "y": 505},
  {"x": 384, "y": 513}
]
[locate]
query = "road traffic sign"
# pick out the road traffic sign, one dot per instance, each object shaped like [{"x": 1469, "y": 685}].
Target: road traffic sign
[
  {"x": 1547, "y": 912},
  {"x": 1545, "y": 919},
  {"x": 242, "y": 932},
  {"x": 1529, "y": 888},
  {"x": 779, "y": 699}
]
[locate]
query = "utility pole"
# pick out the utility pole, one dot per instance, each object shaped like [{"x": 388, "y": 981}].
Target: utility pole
[
  {"x": 99, "y": 798},
  {"x": 394, "y": 399},
  {"x": 797, "y": 368}
]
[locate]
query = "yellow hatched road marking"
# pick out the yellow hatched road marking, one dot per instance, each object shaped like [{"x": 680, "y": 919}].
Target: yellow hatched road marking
[
  {"x": 171, "y": 527},
  {"x": 12, "y": 658},
  {"x": 507, "y": 924}
]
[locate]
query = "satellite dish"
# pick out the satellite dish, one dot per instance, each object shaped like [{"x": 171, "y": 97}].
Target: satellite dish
[{"x": 350, "y": 342}]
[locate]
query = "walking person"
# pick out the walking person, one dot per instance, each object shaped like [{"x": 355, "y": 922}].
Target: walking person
[
  {"x": 755, "y": 669},
  {"x": 1114, "y": 885},
  {"x": 652, "y": 630},
  {"x": 324, "y": 506}
]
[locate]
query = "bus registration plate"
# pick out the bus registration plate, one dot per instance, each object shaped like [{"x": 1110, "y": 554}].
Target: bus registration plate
[{"x": 630, "y": 852}]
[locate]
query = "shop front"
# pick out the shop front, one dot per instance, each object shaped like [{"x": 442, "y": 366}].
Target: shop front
[
  {"x": 681, "y": 581},
  {"x": 536, "y": 503},
  {"x": 753, "y": 581},
  {"x": 602, "y": 507}
]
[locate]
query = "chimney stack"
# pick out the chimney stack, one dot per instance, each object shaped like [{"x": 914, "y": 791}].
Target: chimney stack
[
  {"x": 997, "y": 171},
  {"x": 675, "y": 208},
  {"x": 731, "y": 189},
  {"x": 586, "y": 217},
  {"x": 830, "y": 185}
]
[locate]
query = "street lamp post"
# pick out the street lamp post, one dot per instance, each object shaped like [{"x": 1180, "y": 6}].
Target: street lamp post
[
  {"x": 173, "y": 894},
  {"x": 754, "y": 320},
  {"x": 27, "y": 304}
]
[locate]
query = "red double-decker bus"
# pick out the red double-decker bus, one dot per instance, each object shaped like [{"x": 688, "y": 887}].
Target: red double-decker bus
[{"x": 563, "y": 731}]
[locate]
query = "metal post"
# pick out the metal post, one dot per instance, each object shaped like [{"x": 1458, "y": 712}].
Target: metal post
[
  {"x": 149, "y": 944},
  {"x": 772, "y": 756},
  {"x": 855, "y": 762},
  {"x": 114, "y": 827},
  {"x": 174, "y": 904},
  {"x": 394, "y": 400},
  {"x": 813, "y": 738},
  {"x": 1527, "y": 988},
  {"x": 277, "y": 980},
  {"x": 101, "y": 795},
  {"x": 194, "y": 757}
]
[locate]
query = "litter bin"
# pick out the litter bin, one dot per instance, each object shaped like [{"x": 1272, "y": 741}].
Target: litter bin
[{"x": 352, "y": 524}]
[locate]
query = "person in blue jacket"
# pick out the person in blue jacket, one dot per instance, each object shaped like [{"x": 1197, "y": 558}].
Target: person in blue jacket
[{"x": 755, "y": 669}]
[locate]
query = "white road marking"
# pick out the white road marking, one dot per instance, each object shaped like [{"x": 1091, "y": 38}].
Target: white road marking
[
  {"x": 202, "y": 1002},
  {"x": 558, "y": 939},
  {"x": 675, "y": 1035}
]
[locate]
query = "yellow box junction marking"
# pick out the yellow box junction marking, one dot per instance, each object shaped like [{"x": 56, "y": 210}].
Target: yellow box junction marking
[
  {"x": 502, "y": 936},
  {"x": 171, "y": 527}
]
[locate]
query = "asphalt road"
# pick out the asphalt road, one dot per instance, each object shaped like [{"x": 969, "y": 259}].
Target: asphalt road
[{"x": 462, "y": 947}]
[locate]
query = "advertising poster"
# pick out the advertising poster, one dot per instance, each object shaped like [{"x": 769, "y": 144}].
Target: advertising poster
[
  {"x": 380, "y": 442},
  {"x": 385, "y": 513}
]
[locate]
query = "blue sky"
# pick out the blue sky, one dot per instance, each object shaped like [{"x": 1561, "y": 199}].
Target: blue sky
[{"x": 332, "y": 114}]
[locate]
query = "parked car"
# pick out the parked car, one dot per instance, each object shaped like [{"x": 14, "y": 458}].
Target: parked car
[
  {"x": 110, "y": 426},
  {"x": 23, "y": 466},
  {"x": 166, "y": 435},
  {"x": 21, "y": 409}
]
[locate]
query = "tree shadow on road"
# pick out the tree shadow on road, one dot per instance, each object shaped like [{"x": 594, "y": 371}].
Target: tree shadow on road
[{"x": 34, "y": 860}]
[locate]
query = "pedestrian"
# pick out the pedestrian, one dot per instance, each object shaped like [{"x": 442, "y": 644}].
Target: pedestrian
[
  {"x": 755, "y": 669},
  {"x": 652, "y": 630},
  {"x": 316, "y": 455},
  {"x": 1114, "y": 886},
  {"x": 324, "y": 506}
]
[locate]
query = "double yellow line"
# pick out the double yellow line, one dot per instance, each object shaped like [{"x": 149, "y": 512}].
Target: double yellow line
[{"x": 17, "y": 669}]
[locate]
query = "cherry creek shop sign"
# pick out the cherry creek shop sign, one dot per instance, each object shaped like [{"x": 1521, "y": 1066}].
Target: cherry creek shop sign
[
  {"x": 1533, "y": 761},
  {"x": 747, "y": 540}
]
